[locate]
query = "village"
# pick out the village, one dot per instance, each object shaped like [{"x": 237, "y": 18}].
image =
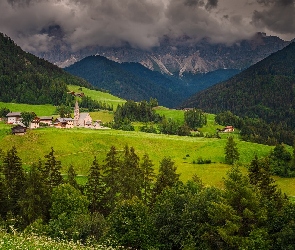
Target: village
[{"x": 81, "y": 120}]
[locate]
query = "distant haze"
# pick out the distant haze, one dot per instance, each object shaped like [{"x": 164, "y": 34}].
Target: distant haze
[{"x": 37, "y": 25}]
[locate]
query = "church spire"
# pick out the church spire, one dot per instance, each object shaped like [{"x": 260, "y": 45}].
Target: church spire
[{"x": 76, "y": 113}]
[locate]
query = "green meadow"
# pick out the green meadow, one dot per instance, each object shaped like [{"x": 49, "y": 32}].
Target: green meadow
[
  {"x": 98, "y": 95},
  {"x": 40, "y": 110},
  {"x": 79, "y": 146}
]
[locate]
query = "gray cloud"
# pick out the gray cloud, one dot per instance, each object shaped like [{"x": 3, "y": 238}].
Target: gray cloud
[
  {"x": 279, "y": 17},
  {"x": 37, "y": 25}
]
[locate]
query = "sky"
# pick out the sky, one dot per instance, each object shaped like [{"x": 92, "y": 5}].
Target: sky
[{"x": 141, "y": 23}]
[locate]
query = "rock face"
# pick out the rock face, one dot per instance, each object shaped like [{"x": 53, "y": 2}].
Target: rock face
[{"x": 178, "y": 56}]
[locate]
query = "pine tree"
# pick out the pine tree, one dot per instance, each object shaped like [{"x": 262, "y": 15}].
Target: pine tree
[
  {"x": 148, "y": 177},
  {"x": 167, "y": 176},
  {"x": 110, "y": 178},
  {"x": 130, "y": 175},
  {"x": 14, "y": 179},
  {"x": 72, "y": 177},
  {"x": 95, "y": 188},
  {"x": 51, "y": 171},
  {"x": 231, "y": 151},
  {"x": 35, "y": 202}
]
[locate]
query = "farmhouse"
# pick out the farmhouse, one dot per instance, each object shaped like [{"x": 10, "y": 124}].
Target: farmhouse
[
  {"x": 35, "y": 123},
  {"x": 64, "y": 123},
  {"x": 19, "y": 130},
  {"x": 46, "y": 120},
  {"x": 228, "y": 129},
  {"x": 13, "y": 117}
]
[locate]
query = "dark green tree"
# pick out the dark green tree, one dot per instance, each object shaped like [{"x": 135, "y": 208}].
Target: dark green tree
[
  {"x": 240, "y": 217},
  {"x": 167, "y": 176},
  {"x": 130, "y": 174},
  {"x": 95, "y": 187},
  {"x": 14, "y": 179},
  {"x": 27, "y": 118},
  {"x": 231, "y": 151},
  {"x": 130, "y": 225},
  {"x": 68, "y": 206},
  {"x": 4, "y": 111},
  {"x": 64, "y": 111},
  {"x": 280, "y": 161},
  {"x": 110, "y": 178},
  {"x": 51, "y": 171},
  {"x": 72, "y": 177},
  {"x": 35, "y": 201},
  {"x": 195, "y": 118},
  {"x": 148, "y": 177}
]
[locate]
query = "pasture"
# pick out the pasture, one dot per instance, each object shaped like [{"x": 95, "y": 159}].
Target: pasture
[{"x": 78, "y": 147}]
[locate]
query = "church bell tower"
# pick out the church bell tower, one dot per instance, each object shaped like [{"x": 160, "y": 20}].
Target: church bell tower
[{"x": 76, "y": 114}]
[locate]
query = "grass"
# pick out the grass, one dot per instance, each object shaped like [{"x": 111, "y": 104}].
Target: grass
[
  {"x": 98, "y": 95},
  {"x": 79, "y": 146},
  {"x": 40, "y": 110}
]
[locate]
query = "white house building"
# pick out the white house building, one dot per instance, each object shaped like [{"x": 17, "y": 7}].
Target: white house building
[{"x": 14, "y": 118}]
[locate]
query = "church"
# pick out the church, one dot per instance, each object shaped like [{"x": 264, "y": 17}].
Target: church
[{"x": 81, "y": 119}]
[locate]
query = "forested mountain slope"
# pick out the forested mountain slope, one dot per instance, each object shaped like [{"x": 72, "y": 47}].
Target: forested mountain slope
[
  {"x": 265, "y": 90},
  {"x": 25, "y": 78},
  {"x": 128, "y": 80},
  {"x": 135, "y": 82}
]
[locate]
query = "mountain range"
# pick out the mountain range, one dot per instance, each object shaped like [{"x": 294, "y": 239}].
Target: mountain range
[
  {"x": 174, "y": 56},
  {"x": 135, "y": 82}
]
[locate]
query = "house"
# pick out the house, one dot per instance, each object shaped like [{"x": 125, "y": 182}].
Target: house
[
  {"x": 46, "y": 120},
  {"x": 14, "y": 117},
  {"x": 19, "y": 130},
  {"x": 64, "y": 123},
  {"x": 228, "y": 129},
  {"x": 35, "y": 123}
]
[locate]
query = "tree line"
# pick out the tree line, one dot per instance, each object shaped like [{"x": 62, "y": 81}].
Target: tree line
[
  {"x": 125, "y": 203},
  {"x": 154, "y": 123},
  {"x": 258, "y": 130}
]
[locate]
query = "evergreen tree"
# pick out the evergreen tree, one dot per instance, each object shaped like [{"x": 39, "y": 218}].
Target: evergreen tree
[
  {"x": 231, "y": 151},
  {"x": 51, "y": 171},
  {"x": 148, "y": 177},
  {"x": 72, "y": 177},
  {"x": 110, "y": 178},
  {"x": 130, "y": 175},
  {"x": 167, "y": 176},
  {"x": 195, "y": 118},
  {"x": 14, "y": 179},
  {"x": 36, "y": 199},
  {"x": 95, "y": 188}
]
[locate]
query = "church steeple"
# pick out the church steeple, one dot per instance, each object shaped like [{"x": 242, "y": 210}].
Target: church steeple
[{"x": 76, "y": 113}]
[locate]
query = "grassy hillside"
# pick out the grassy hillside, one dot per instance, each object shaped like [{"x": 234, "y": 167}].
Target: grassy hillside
[
  {"x": 79, "y": 146},
  {"x": 98, "y": 95}
]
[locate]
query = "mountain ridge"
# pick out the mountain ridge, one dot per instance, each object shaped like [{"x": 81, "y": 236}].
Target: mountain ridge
[{"x": 179, "y": 55}]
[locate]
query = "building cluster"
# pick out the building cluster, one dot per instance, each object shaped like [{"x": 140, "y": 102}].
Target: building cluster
[{"x": 82, "y": 120}]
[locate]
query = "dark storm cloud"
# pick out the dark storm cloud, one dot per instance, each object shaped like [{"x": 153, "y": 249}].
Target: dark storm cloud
[
  {"x": 279, "y": 17},
  {"x": 38, "y": 24}
]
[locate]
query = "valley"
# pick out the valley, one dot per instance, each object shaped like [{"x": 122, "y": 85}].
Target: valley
[{"x": 79, "y": 146}]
